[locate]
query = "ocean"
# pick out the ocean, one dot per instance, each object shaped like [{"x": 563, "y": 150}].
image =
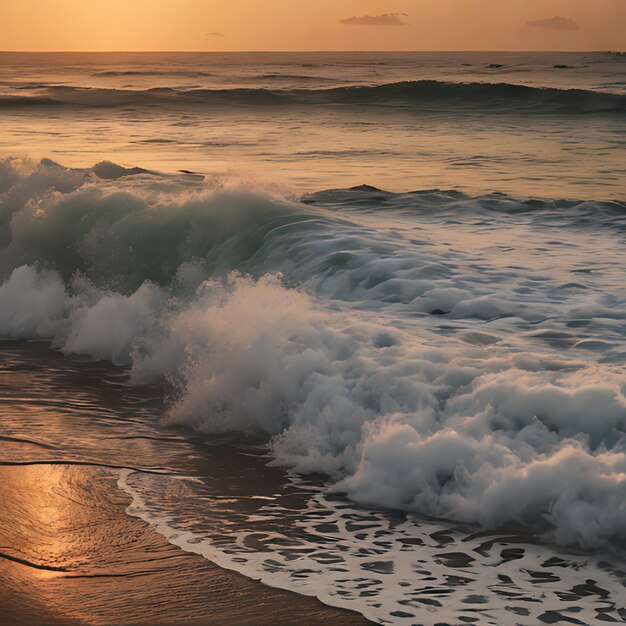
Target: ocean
[{"x": 353, "y": 324}]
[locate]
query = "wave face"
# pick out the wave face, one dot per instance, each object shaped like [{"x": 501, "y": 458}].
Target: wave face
[
  {"x": 413, "y": 347},
  {"x": 483, "y": 97}
]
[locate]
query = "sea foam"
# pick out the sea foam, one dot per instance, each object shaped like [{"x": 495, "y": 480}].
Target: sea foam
[{"x": 401, "y": 351}]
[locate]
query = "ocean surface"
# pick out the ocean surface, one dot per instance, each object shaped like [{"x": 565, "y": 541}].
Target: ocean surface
[
  {"x": 385, "y": 294},
  {"x": 548, "y": 125}
]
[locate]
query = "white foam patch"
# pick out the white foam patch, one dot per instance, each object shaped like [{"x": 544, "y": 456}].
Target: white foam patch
[
  {"x": 32, "y": 304},
  {"x": 390, "y": 568},
  {"x": 108, "y": 327}
]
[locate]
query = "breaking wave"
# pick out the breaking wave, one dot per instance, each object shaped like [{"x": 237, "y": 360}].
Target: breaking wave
[
  {"x": 420, "y": 355},
  {"x": 486, "y": 97}
]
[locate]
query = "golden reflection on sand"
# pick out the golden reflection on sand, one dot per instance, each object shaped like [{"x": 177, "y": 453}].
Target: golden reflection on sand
[{"x": 69, "y": 553}]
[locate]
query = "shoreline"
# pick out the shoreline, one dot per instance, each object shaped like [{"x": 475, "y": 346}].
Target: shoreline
[
  {"x": 69, "y": 551},
  {"x": 84, "y": 560},
  {"x": 73, "y": 431}
]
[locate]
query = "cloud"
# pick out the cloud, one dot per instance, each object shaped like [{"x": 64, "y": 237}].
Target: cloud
[
  {"x": 385, "y": 19},
  {"x": 554, "y": 23},
  {"x": 214, "y": 33}
]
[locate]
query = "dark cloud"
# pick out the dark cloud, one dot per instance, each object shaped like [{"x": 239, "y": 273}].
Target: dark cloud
[
  {"x": 554, "y": 23},
  {"x": 214, "y": 33},
  {"x": 385, "y": 19}
]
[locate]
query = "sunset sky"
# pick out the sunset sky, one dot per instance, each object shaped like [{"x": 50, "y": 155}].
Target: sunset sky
[{"x": 312, "y": 25}]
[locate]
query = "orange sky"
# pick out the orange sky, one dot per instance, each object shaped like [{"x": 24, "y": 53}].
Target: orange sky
[{"x": 311, "y": 25}]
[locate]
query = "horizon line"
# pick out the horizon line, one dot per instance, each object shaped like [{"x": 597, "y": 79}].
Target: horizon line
[{"x": 329, "y": 51}]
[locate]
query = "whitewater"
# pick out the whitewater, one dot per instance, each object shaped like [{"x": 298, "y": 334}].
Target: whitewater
[{"x": 439, "y": 370}]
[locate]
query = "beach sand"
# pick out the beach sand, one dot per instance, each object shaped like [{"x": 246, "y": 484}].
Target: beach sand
[
  {"x": 73, "y": 556},
  {"x": 69, "y": 552}
]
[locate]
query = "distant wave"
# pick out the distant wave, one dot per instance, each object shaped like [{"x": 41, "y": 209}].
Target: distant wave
[
  {"x": 288, "y": 77},
  {"x": 483, "y": 97},
  {"x": 611, "y": 214},
  {"x": 165, "y": 72},
  {"x": 26, "y": 101}
]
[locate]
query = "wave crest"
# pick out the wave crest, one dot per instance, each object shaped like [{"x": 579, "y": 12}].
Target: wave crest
[{"x": 310, "y": 327}]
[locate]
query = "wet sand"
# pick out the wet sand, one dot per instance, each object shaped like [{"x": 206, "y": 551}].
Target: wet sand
[
  {"x": 69, "y": 552},
  {"x": 71, "y": 555}
]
